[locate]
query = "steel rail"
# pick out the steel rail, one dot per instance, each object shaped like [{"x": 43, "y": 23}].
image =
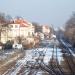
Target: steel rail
[
  {"x": 61, "y": 72},
  {"x": 71, "y": 58}
]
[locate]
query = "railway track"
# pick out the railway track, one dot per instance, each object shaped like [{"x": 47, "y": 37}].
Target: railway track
[
  {"x": 69, "y": 58},
  {"x": 55, "y": 63},
  {"x": 53, "y": 69},
  {"x": 42, "y": 65}
]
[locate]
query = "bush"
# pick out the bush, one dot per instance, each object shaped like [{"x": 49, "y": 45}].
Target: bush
[{"x": 8, "y": 45}]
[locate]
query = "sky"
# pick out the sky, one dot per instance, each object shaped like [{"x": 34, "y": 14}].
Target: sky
[{"x": 55, "y": 12}]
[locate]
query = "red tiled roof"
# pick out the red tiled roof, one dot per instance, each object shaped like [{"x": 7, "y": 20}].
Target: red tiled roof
[{"x": 22, "y": 22}]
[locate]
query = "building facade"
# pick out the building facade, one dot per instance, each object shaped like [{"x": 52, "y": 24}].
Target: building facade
[
  {"x": 19, "y": 28},
  {"x": 45, "y": 29}
]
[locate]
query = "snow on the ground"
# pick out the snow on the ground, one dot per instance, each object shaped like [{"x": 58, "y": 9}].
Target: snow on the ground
[
  {"x": 9, "y": 53},
  {"x": 48, "y": 55},
  {"x": 29, "y": 57},
  {"x": 2, "y": 57},
  {"x": 32, "y": 55},
  {"x": 5, "y": 54}
]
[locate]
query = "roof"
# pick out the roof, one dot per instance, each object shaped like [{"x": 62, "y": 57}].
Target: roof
[{"x": 22, "y": 22}]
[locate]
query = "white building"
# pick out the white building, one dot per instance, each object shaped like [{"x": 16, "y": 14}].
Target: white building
[
  {"x": 45, "y": 29},
  {"x": 20, "y": 28}
]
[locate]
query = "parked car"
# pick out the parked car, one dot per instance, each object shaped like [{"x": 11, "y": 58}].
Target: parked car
[{"x": 17, "y": 46}]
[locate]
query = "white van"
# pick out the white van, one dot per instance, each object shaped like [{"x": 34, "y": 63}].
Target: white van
[{"x": 17, "y": 46}]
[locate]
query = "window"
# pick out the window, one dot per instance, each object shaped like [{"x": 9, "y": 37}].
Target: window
[
  {"x": 16, "y": 26},
  {"x": 11, "y": 26}
]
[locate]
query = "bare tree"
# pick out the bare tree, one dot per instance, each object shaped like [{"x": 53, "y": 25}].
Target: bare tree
[
  {"x": 70, "y": 29},
  {"x": 38, "y": 27},
  {"x": 19, "y": 39},
  {"x": 3, "y": 23}
]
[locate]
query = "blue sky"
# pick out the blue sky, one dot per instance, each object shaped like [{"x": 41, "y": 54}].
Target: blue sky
[{"x": 55, "y": 12}]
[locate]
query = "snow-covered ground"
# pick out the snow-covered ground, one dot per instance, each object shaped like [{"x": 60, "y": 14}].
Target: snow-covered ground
[
  {"x": 5, "y": 54},
  {"x": 32, "y": 55}
]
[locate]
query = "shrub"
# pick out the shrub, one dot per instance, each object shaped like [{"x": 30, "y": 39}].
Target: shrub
[{"x": 8, "y": 45}]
